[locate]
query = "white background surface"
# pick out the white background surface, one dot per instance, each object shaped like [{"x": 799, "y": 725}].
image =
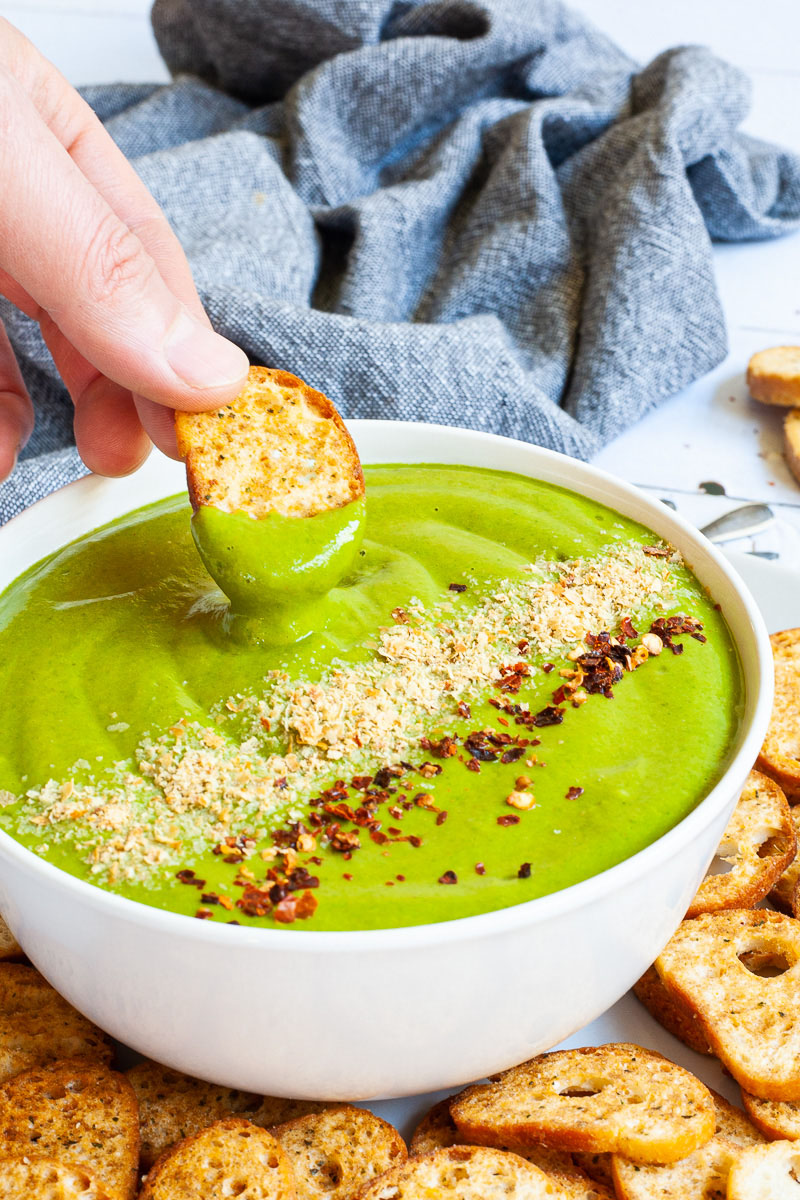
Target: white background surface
[{"x": 711, "y": 431}]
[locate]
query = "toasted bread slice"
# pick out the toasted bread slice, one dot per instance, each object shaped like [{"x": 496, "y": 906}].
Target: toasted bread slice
[
  {"x": 620, "y": 1098},
  {"x": 48, "y": 1179},
  {"x": 279, "y": 447},
  {"x": 38, "y": 1026},
  {"x": 775, "y": 1118},
  {"x": 759, "y": 843},
  {"x": 773, "y": 376},
  {"x": 785, "y": 894},
  {"x": 334, "y": 1153},
  {"x": 703, "y": 1174},
  {"x": 229, "y": 1158},
  {"x": 676, "y": 1017},
  {"x": 780, "y": 754},
  {"x": 9, "y": 946},
  {"x": 173, "y": 1106},
  {"x": 463, "y": 1173},
  {"x": 752, "y": 1020},
  {"x": 766, "y": 1173},
  {"x": 437, "y": 1130},
  {"x": 791, "y": 441},
  {"x": 76, "y": 1111}
]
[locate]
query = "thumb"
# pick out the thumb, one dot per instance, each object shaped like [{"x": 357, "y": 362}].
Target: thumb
[{"x": 91, "y": 275}]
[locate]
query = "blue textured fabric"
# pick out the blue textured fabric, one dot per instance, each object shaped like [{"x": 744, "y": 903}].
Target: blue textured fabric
[{"x": 476, "y": 212}]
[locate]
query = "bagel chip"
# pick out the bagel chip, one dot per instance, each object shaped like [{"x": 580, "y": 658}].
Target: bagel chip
[
  {"x": 279, "y": 447},
  {"x": 463, "y": 1173},
  {"x": 773, "y": 376},
  {"x": 766, "y": 1173},
  {"x": 775, "y": 1118},
  {"x": 229, "y": 1158},
  {"x": 759, "y": 844},
  {"x": 791, "y": 441},
  {"x": 77, "y": 1112},
  {"x": 620, "y": 1098},
  {"x": 670, "y": 1011},
  {"x": 38, "y": 1026},
  {"x": 752, "y": 1020},
  {"x": 785, "y": 895},
  {"x": 174, "y": 1106},
  {"x": 334, "y": 1153},
  {"x": 780, "y": 754}
]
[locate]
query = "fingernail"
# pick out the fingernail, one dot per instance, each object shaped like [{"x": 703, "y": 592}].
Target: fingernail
[{"x": 200, "y": 357}]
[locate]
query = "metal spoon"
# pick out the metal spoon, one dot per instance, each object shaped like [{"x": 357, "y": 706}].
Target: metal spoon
[{"x": 739, "y": 522}]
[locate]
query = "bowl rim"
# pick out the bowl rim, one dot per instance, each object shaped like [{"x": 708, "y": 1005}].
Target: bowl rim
[{"x": 492, "y": 923}]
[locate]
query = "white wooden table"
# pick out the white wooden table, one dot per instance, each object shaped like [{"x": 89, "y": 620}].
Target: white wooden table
[{"x": 710, "y": 432}]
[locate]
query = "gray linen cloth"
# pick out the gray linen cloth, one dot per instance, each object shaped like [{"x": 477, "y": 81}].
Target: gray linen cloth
[{"x": 476, "y": 212}]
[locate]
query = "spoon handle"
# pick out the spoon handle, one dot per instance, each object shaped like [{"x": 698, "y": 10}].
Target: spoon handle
[{"x": 739, "y": 522}]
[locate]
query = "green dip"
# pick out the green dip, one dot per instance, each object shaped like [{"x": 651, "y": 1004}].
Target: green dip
[{"x": 122, "y": 634}]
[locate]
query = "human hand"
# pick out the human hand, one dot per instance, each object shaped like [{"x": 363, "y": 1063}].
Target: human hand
[{"x": 86, "y": 251}]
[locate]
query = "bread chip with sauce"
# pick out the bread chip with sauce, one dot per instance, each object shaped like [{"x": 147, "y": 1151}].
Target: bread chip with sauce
[
  {"x": 740, "y": 972},
  {"x": 77, "y": 1112},
  {"x": 173, "y": 1106},
  {"x": 334, "y": 1153},
  {"x": 38, "y": 1026},
  {"x": 229, "y": 1158},
  {"x": 463, "y": 1173},
  {"x": 759, "y": 843},
  {"x": 279, "y": 447},
  {"x": 619, "y": 1098},
  {"x": 703, "y": 1174},
  {"x": 785, "y": 895},
  {"x": 775, "y": 1118},
  {"x": 780, "y": 754},
  {"x": 48, "y": 1179},
  {"x": 766, "y": 1173},
  {"x": 773, "y": 376}
]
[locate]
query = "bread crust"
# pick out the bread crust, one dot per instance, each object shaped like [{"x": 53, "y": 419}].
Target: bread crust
[
  {"x": 279, "y": 447},
  {"x": 791, "y": 441},
  {"x": 620, "y": 1098},
  {"x": 668, "y": 1009},
  {"x": 775, "y": 1118},
  {"x": 463, "y": 1173},
  {"x": 752, "y": 1022},
  {"x": 785, "y": 894},
  {"x": 759, "y": 843},
  {"x": 773, "y": 376},
  {"x": 780, "y": 754}
]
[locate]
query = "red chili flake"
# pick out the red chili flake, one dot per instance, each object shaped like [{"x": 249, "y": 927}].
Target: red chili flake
[
  {"x": 281, "y": 782},
  {"x": 185, "y": 876},
  {"x": 463, "y": 710},
  {"x": 548, "y": 716},
  {"x": 502, "y": 721},
  {"x": 388, "y": 883},
  {"x": 445, "y": 748},
  {"x": 525, "y": 871},
  {"x": 548, "y": 667},
  {"x": 226, "y": 904},
  {"x": 560, "y": 695},
  {"x": 394, "y": 831},
  {"x": 457, "y": 587},
  {"x": 400, "y": 616},
  {"x": 480, "y": 869},
  {"x": 306, "y": 906},
  {"x": 300, "y": 878},
  {"x": 511, "y": 677},
  {"x": 573, "y": 793},
  {"x": 400, "y": 878},
  {"x": 429, "y": 769},
  {"x": 448, "y": 877},
  {"x": 441, "y": 817},
  {"x": 415, "y": 841},
  {"x": 347, "y": 877},
  {"x": 210, "y": 898},
  {"x": 626, "y": 628},
  {"x": 286, "y": 911},
  {"x": 425, "y": 800},
  {"x": 361, "y": 782},
  {"x": 523, "y": 645},
  {"x": 508, "y": 819},
  {"x": 472, "y": 765},
  {"x": 345, "y": 842},
  {"x": 341, "y": 810},
  {"x": 377, "y": 837},
  {"x": 204, "y": 914},
  {"x": 513, "y": 754}
]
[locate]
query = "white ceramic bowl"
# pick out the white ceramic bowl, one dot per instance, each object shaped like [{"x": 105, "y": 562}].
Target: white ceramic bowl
[{"x": 379, "y": 1013}]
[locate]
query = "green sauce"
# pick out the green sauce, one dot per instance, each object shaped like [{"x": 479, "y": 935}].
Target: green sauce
[{"x": 123, "y": 632}]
